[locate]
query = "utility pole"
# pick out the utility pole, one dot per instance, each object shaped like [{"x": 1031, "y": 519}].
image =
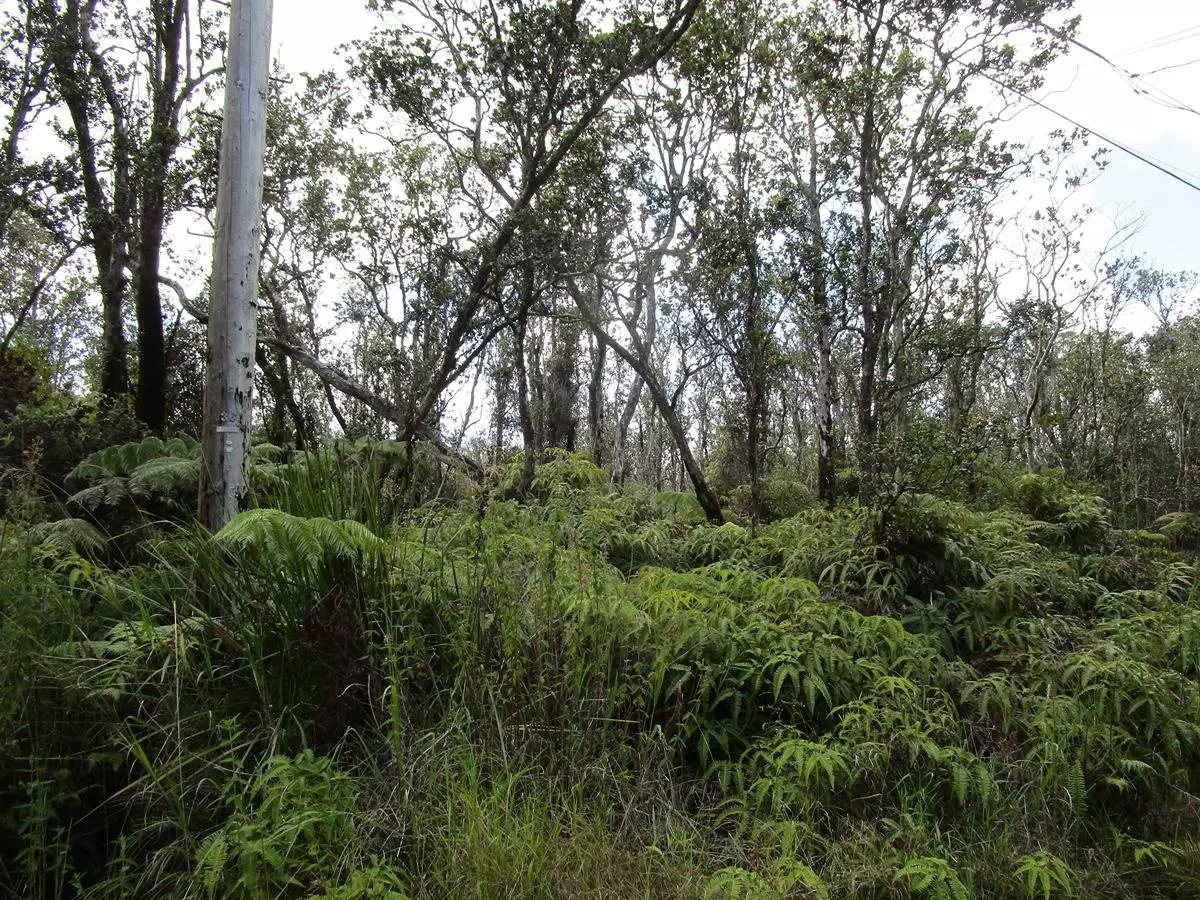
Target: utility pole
[{"x": 232, "y": 321}]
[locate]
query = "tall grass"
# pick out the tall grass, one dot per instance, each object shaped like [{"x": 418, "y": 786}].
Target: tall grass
[{"x": 360, "y": 690}]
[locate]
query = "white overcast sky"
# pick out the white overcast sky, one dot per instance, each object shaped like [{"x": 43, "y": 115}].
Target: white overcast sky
[{"x": 1139, "y": 35}]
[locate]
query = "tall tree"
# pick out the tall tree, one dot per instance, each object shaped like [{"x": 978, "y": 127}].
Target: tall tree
[
  {"x": 507, "y": 92},
  {"x": 732, "y": 60},
  {"x": 125, "y": 114},
  {"x": 914, "y": 154}
]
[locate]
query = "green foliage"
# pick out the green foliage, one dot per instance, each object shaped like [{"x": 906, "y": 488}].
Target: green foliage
[
  {"x": 298, "y": 545},
  {"x": 1183, "y": 528},
  {"x": 933, "y": 877},
  {"x": 591, "y": 689},
  {"x": 297, "y": 820},
  {"x": 119, "y": 485},
  {"x": 562, "y": 475},
  {"x": 1064, "y": 517},
  {"x": 1043, "y": 874},
  {"x": 785, "y": 497},
  {"x": 709, "y": 544},
  {"x": 368, "y": 884},
  {"x": 40, "y": 443},
  {"x": 370, "y": 481},
  {"x": 24, "y": 377},
  {"x": 788, "y": 878},
  {"x": 68, "y": 536},
  {"x": 125, "y": 459}
]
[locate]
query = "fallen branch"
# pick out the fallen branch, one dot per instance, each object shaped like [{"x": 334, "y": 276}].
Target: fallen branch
[{"x": 340, "y": 381}]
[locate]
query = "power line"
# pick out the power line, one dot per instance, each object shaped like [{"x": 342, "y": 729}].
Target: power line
[
  {"x": 1161, "y": 167},
  {"x": 1165, "y": 40},
  {"x": 1113, "y": 142},
  {"x": 1190, "y": 62},
  {"x": 1132, "y": 78}
]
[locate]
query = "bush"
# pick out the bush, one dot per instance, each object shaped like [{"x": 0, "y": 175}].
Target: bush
[
  {"x": 1064, "y": 516},
  {"x": 785, "y": 497},
  {"x": 44, "y": 441},
  {"x": 592, "y": 694}
]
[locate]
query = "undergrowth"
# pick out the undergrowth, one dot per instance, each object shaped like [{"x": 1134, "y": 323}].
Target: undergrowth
[{"x": 382, "y": 683}]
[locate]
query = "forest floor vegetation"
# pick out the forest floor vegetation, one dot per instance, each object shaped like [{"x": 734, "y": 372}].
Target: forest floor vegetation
[{"x": 382, "y": 682}]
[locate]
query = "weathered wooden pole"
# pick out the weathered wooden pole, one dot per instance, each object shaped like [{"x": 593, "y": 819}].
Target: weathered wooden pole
[{"x": 232, "y": 322}]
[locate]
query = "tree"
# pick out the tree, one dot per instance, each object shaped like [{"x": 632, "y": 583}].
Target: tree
[
  {"x": 534, "y": 81},
  {"x": 621, "y": 279},
  {"x": 1061, "y": 281},
  {"x": 913, "y": 153},
  {"x": 1173, "y": 353},
  {"x": 730, "y": 57},
  {"x": 125, "y": 113},
  {"x": 805, "y": 191},
  {"x": 43, "y": 301}
]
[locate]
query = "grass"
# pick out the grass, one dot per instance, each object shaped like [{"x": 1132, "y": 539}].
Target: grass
[{"x": 362, "y": 690}]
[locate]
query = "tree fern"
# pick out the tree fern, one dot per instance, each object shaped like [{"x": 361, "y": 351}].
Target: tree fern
[
  {"x": 123, "y": 459},
  {"x": 68, "y": 536},
  {"x": 1183, "y": 528},
  {"x": 171, "y": 476},
  {"x": 109, "y": 495},
  {"x": 276, "y": 534}
]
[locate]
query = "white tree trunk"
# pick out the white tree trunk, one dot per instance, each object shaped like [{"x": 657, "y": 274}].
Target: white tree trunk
[{"x": 232, "y": 323}]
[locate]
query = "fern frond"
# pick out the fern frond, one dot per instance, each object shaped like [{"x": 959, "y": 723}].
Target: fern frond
[
  {"x": 67, "y": 535},
  {"x": 167, "y": 475},
  {"x": 123, "y": 459},
  {"x": 271, "y": 532},
  {"x": 111, "y": 493},
  {"x": 283, "y": 535}
]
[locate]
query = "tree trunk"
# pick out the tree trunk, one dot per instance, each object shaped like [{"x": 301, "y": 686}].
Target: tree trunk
[
  {"x": 114, "y": 355},
  {"x": 755, "y": 382},
  {"x": 822, "y": 317},
  {"x": 106, "y": 223},
  {"x": 866, "y": 443},
  {"x": 151, "y": 402},
  {"x": 826, "y": 387},
  {"x": 232, "y": 323},
  {"x": 526, "y": 296},
  {"x": 707, "y": 499},
  {"x": 596, "y": 401},
  {"x": 279, "y": 383},
  {"x": 528, "y": 433},
  {"x": 562, "y": 389},
  {"x": 164, "y": 138},
  {"x": 621, "y": 439}
]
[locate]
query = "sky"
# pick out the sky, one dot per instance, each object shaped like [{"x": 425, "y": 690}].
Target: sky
[{"x": 1139, "y": 35}]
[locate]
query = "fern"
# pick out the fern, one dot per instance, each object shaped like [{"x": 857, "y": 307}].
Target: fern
[
  {"x": 123, "y": 459},
  {"x": 211, "y": 859},
  {"x": 708, "y": 544},
  {"x": 67, "y": 536},
  {"x": 932, "y": 877},
  {"x": 166, "y": 476},
  {"x": 735, "y": 883},
  {"x": 111, "y": 494},
  {"x": 1183, "y": 528},
  {"x": 276, "y": 534},
  {"x": 1041, "y": 873}
]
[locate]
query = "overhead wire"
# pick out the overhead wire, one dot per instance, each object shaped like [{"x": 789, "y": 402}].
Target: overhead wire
[
  {"x": 1165, "y": 40},
  {"x": 1151, "y": 92},
  {"x": 1190, "y": 62},
  {"x": 1162, "y": 167}
]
